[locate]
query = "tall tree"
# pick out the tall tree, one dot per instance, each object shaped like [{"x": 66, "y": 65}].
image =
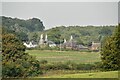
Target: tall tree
[
  {"x": 34, "y": 37},
  {"x": 15, "y": 62},
  {"x": 110, "y": 54}
]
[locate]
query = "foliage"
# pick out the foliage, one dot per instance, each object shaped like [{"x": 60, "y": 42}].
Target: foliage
[
  {"x": 67, "y": 66},
  {"x": 17, "y": 25},
  {"x": 110, "y": 53},
  {"x": 15, "y": 62},
  {"x": 43, "y": 61},
  {"x": 0, "y": 38},
  {"x": 22, "y": 36},
  {"x": 34, "y": 37},
  {"x": 28, "y": 30},
  {"x": 82, "y": 34},
  {"x": 20, "y": 27},
  {"x": 105, "y": 31}
]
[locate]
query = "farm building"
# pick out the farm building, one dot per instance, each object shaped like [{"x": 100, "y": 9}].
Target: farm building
[
  {"x": 51, "y": 44},
  {"x": 42, "y": 43},
  {"x": 30, "y": 45},
  {"x": 45, "y": 42},
  {"x": 95, "y": 46},
  {"x": 72, "y": 44}
]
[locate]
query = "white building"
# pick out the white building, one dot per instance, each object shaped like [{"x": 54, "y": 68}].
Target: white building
[
  {"x": 44, "y": 41},
  {"x": 30, "y": 45}
]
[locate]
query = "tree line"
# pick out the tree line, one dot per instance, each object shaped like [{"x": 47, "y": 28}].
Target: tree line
[{"x": 30, "y": 30}]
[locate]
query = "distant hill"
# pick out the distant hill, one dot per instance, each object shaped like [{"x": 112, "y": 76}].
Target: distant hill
[
  {"x": 22, "y": 27},
  {"x": 17, "y": 25},
  {"x": 82, "y": 34},
  {"x": 30, "y": 30}
]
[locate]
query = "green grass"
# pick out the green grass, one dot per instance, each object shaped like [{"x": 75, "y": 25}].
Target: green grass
[
  {"x": 63, "y": 56},
  {"x": 110, "y": 74},
  {"x": 74, "y": 56}
]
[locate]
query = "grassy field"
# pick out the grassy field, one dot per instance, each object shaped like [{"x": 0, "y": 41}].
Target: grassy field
[
  {"x": 110, "y": 74},
  {"x": 74, "y": 56},
  {"x": 63, "y": 56}
]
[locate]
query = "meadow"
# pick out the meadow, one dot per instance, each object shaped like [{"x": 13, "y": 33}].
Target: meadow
[
  {"x": 109, "y": 74},
  {"x": 63, "y": 56},
  {"x": 73, "y": 56}
]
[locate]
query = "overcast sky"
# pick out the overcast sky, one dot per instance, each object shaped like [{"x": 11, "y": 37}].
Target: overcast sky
[{"x": 64, "y": 13}]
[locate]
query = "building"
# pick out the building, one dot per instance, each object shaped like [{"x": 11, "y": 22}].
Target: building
[
  {"x": 72, "y": 44},
  {"x": 51, "y": 44},
  {"x": 95, "y": 46},
  {"x": 44, "y": 42},
  {"x": 81, "y": 47},
  {"x": 30, "y": 45}
]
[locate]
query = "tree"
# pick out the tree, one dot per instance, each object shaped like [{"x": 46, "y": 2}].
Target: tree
[
  {"x": 117, "y": 45},
  {"x": 15, "y": 62},
  {"x": 79, "y": 41},
  {"x": 22, "y": 36},
  {"x": 34, "y": 37},
  {"x": 16, "y": 24},
  {"x": 105, "y": 31},
  {"x": 110, "y": 53}
]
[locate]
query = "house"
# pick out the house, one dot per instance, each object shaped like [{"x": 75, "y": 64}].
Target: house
[
  {"x": 95, "y": 46},
  {"x": 30, "y": 45},
  {"x": 72, "y": 44},
  {"x": 51, "y": 44},
  {"x": 43, "y": 42},
  {"x": 81, "y": 47}
]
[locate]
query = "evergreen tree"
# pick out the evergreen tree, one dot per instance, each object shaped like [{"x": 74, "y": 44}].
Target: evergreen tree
[
  {"x": 117, "y": 45},
  {"x": 110, "y": 53}
]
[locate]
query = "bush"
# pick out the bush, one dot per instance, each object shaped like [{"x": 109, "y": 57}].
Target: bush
[
  {"x": 68, "y": 66},
  {"x": 110, "y": 52},
  {"x": 43, "y": 62},
  {"x": 98, "y": 65},
  {"x": 15, "y": 62}
]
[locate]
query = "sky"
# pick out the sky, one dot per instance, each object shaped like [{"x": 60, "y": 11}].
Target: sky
[{"x": 54, "y": 14}]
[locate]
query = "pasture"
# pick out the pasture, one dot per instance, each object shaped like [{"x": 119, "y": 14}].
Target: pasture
[
  {"x": 109, "y": 74},
  {"x": 63, "y": 56},
  {"x": 73, "y": 56}
]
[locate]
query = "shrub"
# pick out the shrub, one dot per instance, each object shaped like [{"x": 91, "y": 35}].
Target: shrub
[
  {"x": 43, "y": 62},
  {"x": 68, "y": 66},
  {"x": 110, "y": 52},
  {"x": 15, "y": 62}
]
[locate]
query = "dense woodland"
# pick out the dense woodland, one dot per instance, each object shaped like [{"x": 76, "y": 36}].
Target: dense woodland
[
  {"x": 30, "y": 30},
  {"x": 82, "y": 34},
  {"x": 20, "y": 27}
]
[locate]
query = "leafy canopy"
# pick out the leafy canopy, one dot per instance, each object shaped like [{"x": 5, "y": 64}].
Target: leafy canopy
[
  {"x": 110, "y": 54},
  {"x": 15, "y": 62}
]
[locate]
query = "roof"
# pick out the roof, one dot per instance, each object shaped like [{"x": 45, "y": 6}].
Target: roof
[
  {"x": 50, "y": 42},
  {"x": 70, "y": 43},
  {"x": 81, "y": 46},
  {"x": 95, "y": 44}
]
